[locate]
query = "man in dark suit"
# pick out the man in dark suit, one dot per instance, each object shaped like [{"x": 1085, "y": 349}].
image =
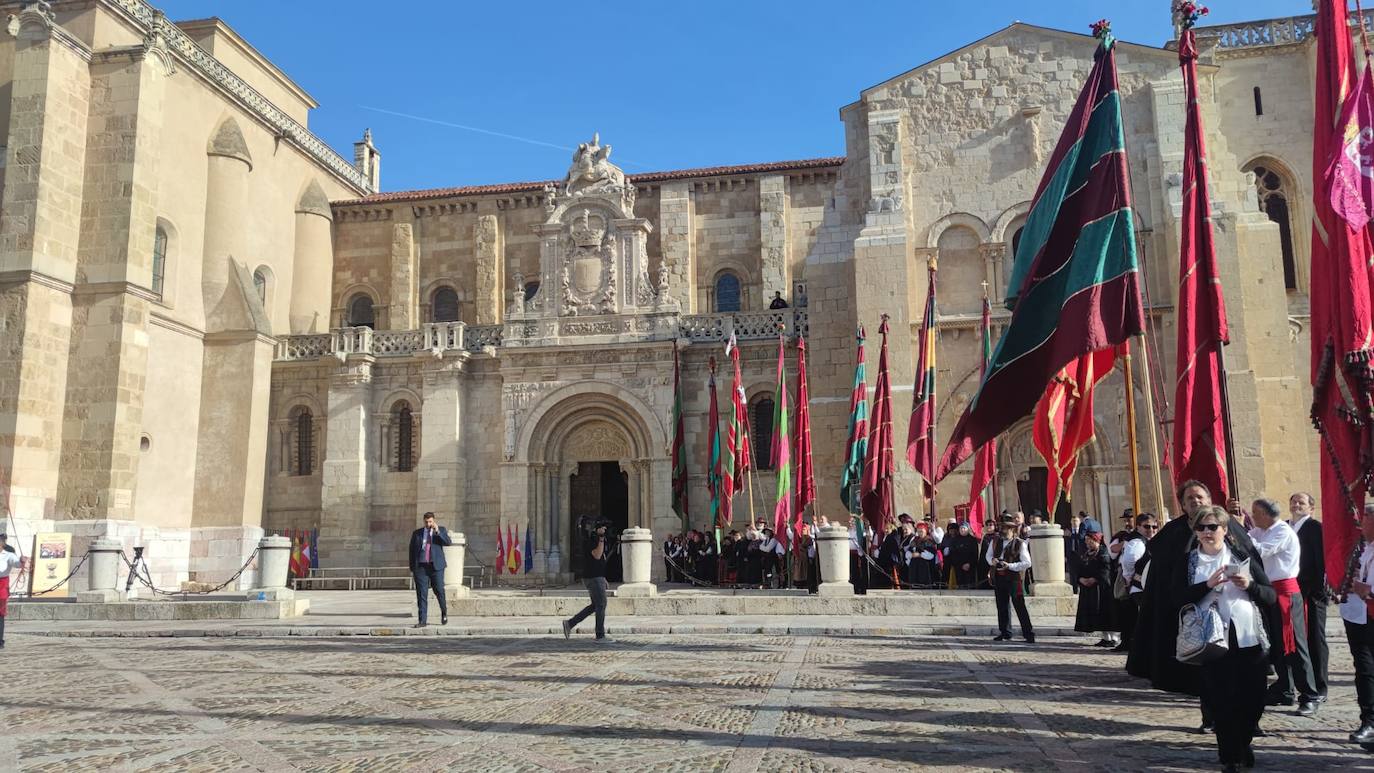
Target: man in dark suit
[
  {"x": 1312, "y": 583},
  {"x": 427, "y": 565}
]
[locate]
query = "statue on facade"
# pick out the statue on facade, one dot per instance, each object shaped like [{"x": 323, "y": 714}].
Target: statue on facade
[
  {"x": 517, "y": 295},
  {"x": 592, "y": 171}
]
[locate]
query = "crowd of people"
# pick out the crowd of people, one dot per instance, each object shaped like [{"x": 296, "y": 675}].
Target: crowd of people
[{"x": 754, "y": 558}]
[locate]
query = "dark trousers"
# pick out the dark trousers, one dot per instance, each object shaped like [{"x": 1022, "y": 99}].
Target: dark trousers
[
  {"x": 596, "y": 590},
  {"x": 1294, "y": 669},
  {"x": 1009, "y": 593},
  {"x": 1316, "y": 642},
  {"x": 2, "y": 629},
  {"x": 1233, "y": 698},
  {"x": 426, "y": 577},
  {"x": 1361, "y": 638},
  {"x": 1128, "y": 611}
]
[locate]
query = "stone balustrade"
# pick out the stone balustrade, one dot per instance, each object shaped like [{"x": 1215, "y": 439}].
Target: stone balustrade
[
  {"x": 442, "y": 337},
  {"x": 1268, "y": 33}
]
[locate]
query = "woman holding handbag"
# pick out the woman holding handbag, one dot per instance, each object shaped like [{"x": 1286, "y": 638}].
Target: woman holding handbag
[{"x": 1222, "y": 575}]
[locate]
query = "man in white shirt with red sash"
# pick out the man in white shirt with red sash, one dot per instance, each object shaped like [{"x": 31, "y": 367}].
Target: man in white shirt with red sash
[
  {"x": 9, "y": 561},
  {"x": 1357, "y": 611},
  {"x": 1279, "y": 548}
]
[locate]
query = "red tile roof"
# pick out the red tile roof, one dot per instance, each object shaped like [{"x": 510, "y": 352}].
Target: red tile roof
[{"x": 648, "y": 177}]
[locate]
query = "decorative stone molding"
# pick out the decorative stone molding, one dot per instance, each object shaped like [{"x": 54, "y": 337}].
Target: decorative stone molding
[
  {"x": 228, "y": 141},
  {"x": 596, "y": 441},
  {"x": 314, "y": 202}
]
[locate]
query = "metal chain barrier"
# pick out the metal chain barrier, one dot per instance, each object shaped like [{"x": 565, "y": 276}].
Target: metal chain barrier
[
  {"x": 147, "y": 581},
  {"x": 691, "y": 578},
  {"x": 64, "y": 580}
]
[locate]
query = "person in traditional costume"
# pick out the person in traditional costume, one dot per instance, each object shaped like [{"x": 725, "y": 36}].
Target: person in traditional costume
[
  {"x": 923, "y": 553},
  {"x": 9, "y": 563},
  {"x": 961, "y": 562},
  {"x": 1357, "y": 612},
  {"x": 1094, "y": 566},
  {"x": 1009, "y": 556}
]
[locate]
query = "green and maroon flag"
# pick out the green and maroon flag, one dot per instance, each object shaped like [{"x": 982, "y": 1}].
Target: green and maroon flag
[
  {"x": 981, "y": 505},
  {"x": 877, "y": 493},
  {"x": 806, "y": 474},
  {"x": 734, "y": 461},
  {"x": 920, "y": 433},
  {"x": 782, "y": 446},
  {"x": 1075, "y": 286},
  {"x": 713, "y": 478},
  {"x": 679, "y": 446},
  {"x": 856, "y": 447}
]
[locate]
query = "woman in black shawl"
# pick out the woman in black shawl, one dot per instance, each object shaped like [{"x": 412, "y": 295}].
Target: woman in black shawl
[{"x": 1094, "y": 573}]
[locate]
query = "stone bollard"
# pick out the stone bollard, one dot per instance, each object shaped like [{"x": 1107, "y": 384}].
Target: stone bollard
[
  {"x": 1047, "y": 559},
  {"x": 454, "y": 556},
  {"x": 104, "y": 572},
  {"x": 833, "y": 545},
  {"x": 274, "y": 558},
  {"x": 637, "y": 550}
]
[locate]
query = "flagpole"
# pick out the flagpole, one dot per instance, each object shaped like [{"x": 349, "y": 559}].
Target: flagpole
[
  {"x": 1232, "y": 480},
  {"x": 1155, "y": 466},
  {"x": 1130, "y": 430}
]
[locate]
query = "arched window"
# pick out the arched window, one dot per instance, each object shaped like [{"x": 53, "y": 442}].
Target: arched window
[
  {"x": 260, "y": 284},
  {"x": 1016, "y": 241},
  {"x": 360, "y": 312},
  {"x": 404, "y": 424},
  {"x": 1274, "y": 199},
  {"x": 305, "y": 443},
  {"x": 531, "y": 290},
  {"x": 445, "y": 305},
  {"x": 727, "y": 293},
  {"x": 761, "y": 423},
  {"x": 159, "y": 260},
  {"x": 962, "y": 271}
]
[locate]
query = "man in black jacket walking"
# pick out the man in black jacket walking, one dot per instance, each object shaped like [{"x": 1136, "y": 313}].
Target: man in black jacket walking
[
  {"x": 427, "y": 566},
  {"x": 1312, "y": 582}
]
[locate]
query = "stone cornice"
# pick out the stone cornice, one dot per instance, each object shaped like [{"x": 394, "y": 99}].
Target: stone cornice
[
  {"x": 151, "y": 22},
  {"x": 116, "y": 288},
  {"x": 238, "y": 337},
  {"x": 36, "y": 22},
  {"x": 24, "y": 275},
  {"x": 167, "y": 323}
]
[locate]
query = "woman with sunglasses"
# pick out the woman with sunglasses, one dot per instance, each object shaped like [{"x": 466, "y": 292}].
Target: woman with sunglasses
[{"x": 1221, "y": 571}]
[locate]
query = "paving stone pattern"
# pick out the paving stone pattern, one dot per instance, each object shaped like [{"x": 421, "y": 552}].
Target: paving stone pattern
[{"x": 645, "y": 703}]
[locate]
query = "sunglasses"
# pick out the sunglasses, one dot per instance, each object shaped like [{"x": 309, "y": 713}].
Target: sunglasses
[
  {"x": 1149, "y": 527},
  {"x": 1201, "y": 527}
]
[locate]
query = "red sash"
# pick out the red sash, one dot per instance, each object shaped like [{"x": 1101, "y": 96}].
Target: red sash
[
  {"x": 1286, "y": 589},
  {"x": 4, "y": 596}
]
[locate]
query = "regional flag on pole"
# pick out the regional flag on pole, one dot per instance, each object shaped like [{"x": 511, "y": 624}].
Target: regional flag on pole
[
  {"x": 737, "y": 460},
  {"x": 1199, "y": 411},
  {"x": 878, "y": 465},
  {"x": 713, "y": 475},
  {"x": 806, "y": 474},
  {"x": 529, "y": 550},
  {"x": 920, "y": 434},
  {"x": 513, "y": 554},
  {"x": 1342, "y": 298},
  {"x": 856, "y": 446},
  {"x": 679, "y": 452},
  {"x": 985, "y": 462},
  {"x": 1075, "y": 287},
  {"x": 1063, "y": 422},
  {"x": 500, "y": 551},
  {"x": 782, "y": 446}
]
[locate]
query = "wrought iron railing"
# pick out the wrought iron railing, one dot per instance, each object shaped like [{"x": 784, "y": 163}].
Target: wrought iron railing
[
  {"x": 1268, "y": 33},
  {"x": 746, "y": 325}
]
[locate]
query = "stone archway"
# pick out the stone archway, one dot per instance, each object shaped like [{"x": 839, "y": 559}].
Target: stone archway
[
  {"x": 1018, "y": 462},
  {"x": 568, "y": 434}
]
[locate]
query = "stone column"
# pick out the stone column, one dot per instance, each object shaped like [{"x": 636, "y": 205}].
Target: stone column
[
  {"x": 540, "y": 516},
  {"x": 637, "y": 547},
  {"x": 776, "y": 271},
  {"x": 104, "y": 572},
  {"x": 678, "y": 242},
  {"x": 832, "y": 543},
  {"x": 1047, "y": 558},
  {"x": 274, "y": 557},
  {"x": 403, "y": 311},
  {"x": 441, "y": 471},
  {"x": 39, "y": 238},
  {"x": 312, "y": 266},
  {"x": 345, "y": 496},
  {"x": 491, "y": 270},
  {"x": 455, "y": 555}
]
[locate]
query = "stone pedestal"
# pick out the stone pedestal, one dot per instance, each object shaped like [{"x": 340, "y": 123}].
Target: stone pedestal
[
  {"x": 274, "y": 557},
  {"x": 637, "y": 548},
  {"x": 454, "y": 556},
  {"x": 832, "y": 543},
  {"x": 103, "y": 577},
  {"x": 1047, "y": 559}
]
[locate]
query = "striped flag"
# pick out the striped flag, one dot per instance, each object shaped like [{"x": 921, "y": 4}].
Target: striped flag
[
  {"x": 500, "y": 551},
  {"x": 734, "y": 461},
  {"x": 1063, "y": 422},
  {"x": 529, "y": 550},
  {"x": 806, "y": 474},
  {"x": 877, "y": 481},
  {"x": 856, "y": 446},
  {"x": 679, "y": 452},
  {"x": 713, "y": 474},
  {"x": 782, "y": 446},
  {"x": 985, "y": 462},
  {"x": 1075, "y": 286},
  {"x": 513, "y": 554},
  {"x": 920, "y": 434}
]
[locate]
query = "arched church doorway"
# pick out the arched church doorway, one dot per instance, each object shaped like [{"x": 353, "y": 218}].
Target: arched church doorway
[{"x": 598, "y": 491}]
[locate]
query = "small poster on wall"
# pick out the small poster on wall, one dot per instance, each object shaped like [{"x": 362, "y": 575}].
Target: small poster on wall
[{"x": 52, "y": 561}]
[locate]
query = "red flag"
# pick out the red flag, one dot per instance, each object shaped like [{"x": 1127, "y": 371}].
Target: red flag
[
  {"x": 713, "y": 461},
  {"x": 500, "y": 551},
  {"x": 1064, "y": 420},
  {"x": 782, "y": 448},
  {"x": 1341, "y": 306},
  {"x": 680, "y": 480},
  {"x": 806, "y": 474},
  {"x": 920, "y": 434},
  {"x": 877, "y": 480},
  {"x": 513, "y": 551},
  {"x": 1200, "y": 451},
  {"x": 985, "y": 458},
  {"x": 734, "y": 459}
]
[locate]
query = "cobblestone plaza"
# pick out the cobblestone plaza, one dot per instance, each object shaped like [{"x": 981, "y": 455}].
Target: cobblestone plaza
[{"x": 675, "y": 703}]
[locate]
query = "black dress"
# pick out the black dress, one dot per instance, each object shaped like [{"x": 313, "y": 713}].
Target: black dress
[
  {"x": 924, "y": 572},
  {"x": 1095, "y": 603},
  {"x": 963, "y": 549}
]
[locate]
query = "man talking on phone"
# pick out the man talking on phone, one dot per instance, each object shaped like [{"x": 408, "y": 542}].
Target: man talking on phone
[
  {"x": 594, "y": 576},
  {"x": 427, "y": 566}
]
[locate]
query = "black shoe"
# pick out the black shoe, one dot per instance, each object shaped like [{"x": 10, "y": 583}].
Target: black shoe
[
  {"x": 1230, "y": 767},
  {"x": 1030, "y": 639},
  {"x": 443, "y": 620},
  {"x": 1307, "y": 708},
  {"x": 1365, "y": 734},
  {"x": 1259, "y": 732},
  {"x": 1104, "y": 643},
  {"x": 421, "y": 625},
  {"x": 1249, "y": 759},
  {"x": 1277, "y": 700},
  {"x": 1002, "y": 637},
  {"x": 1205, "y": 727}
]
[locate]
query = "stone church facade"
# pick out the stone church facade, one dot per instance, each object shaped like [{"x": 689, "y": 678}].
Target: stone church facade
[{"x": 503, "y": 355}]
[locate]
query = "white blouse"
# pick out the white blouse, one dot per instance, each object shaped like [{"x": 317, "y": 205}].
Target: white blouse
[
  {"x": 1237, "y": 609},
  {"x": 1354, "y": 609}
]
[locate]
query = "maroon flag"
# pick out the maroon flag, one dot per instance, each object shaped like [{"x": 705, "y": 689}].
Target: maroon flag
[
  {"x": 1341, "y": 303},
  {"x": 985, "y": 459},
  {"x": 679, "y": 453},
  {"x": 920, "y": 434},
  {"x": 1200, "y": 451},
  {"x": 1352, "y": 171},
  {"x": 806, "y": 475},
  {"x": 734, "y": 460},
  {"x": 877, "y": 480}
]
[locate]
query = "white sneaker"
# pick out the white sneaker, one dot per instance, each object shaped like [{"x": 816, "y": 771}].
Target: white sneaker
[{"x": 567, "y": 630}]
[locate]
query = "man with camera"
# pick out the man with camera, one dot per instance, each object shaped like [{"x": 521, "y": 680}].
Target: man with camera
[
  {"x": 597, "y": 546},
  {"x": 427, "y": 564}
]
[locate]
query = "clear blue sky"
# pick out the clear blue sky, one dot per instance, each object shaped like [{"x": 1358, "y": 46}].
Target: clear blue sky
[{"x": 669, "y": 84}]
